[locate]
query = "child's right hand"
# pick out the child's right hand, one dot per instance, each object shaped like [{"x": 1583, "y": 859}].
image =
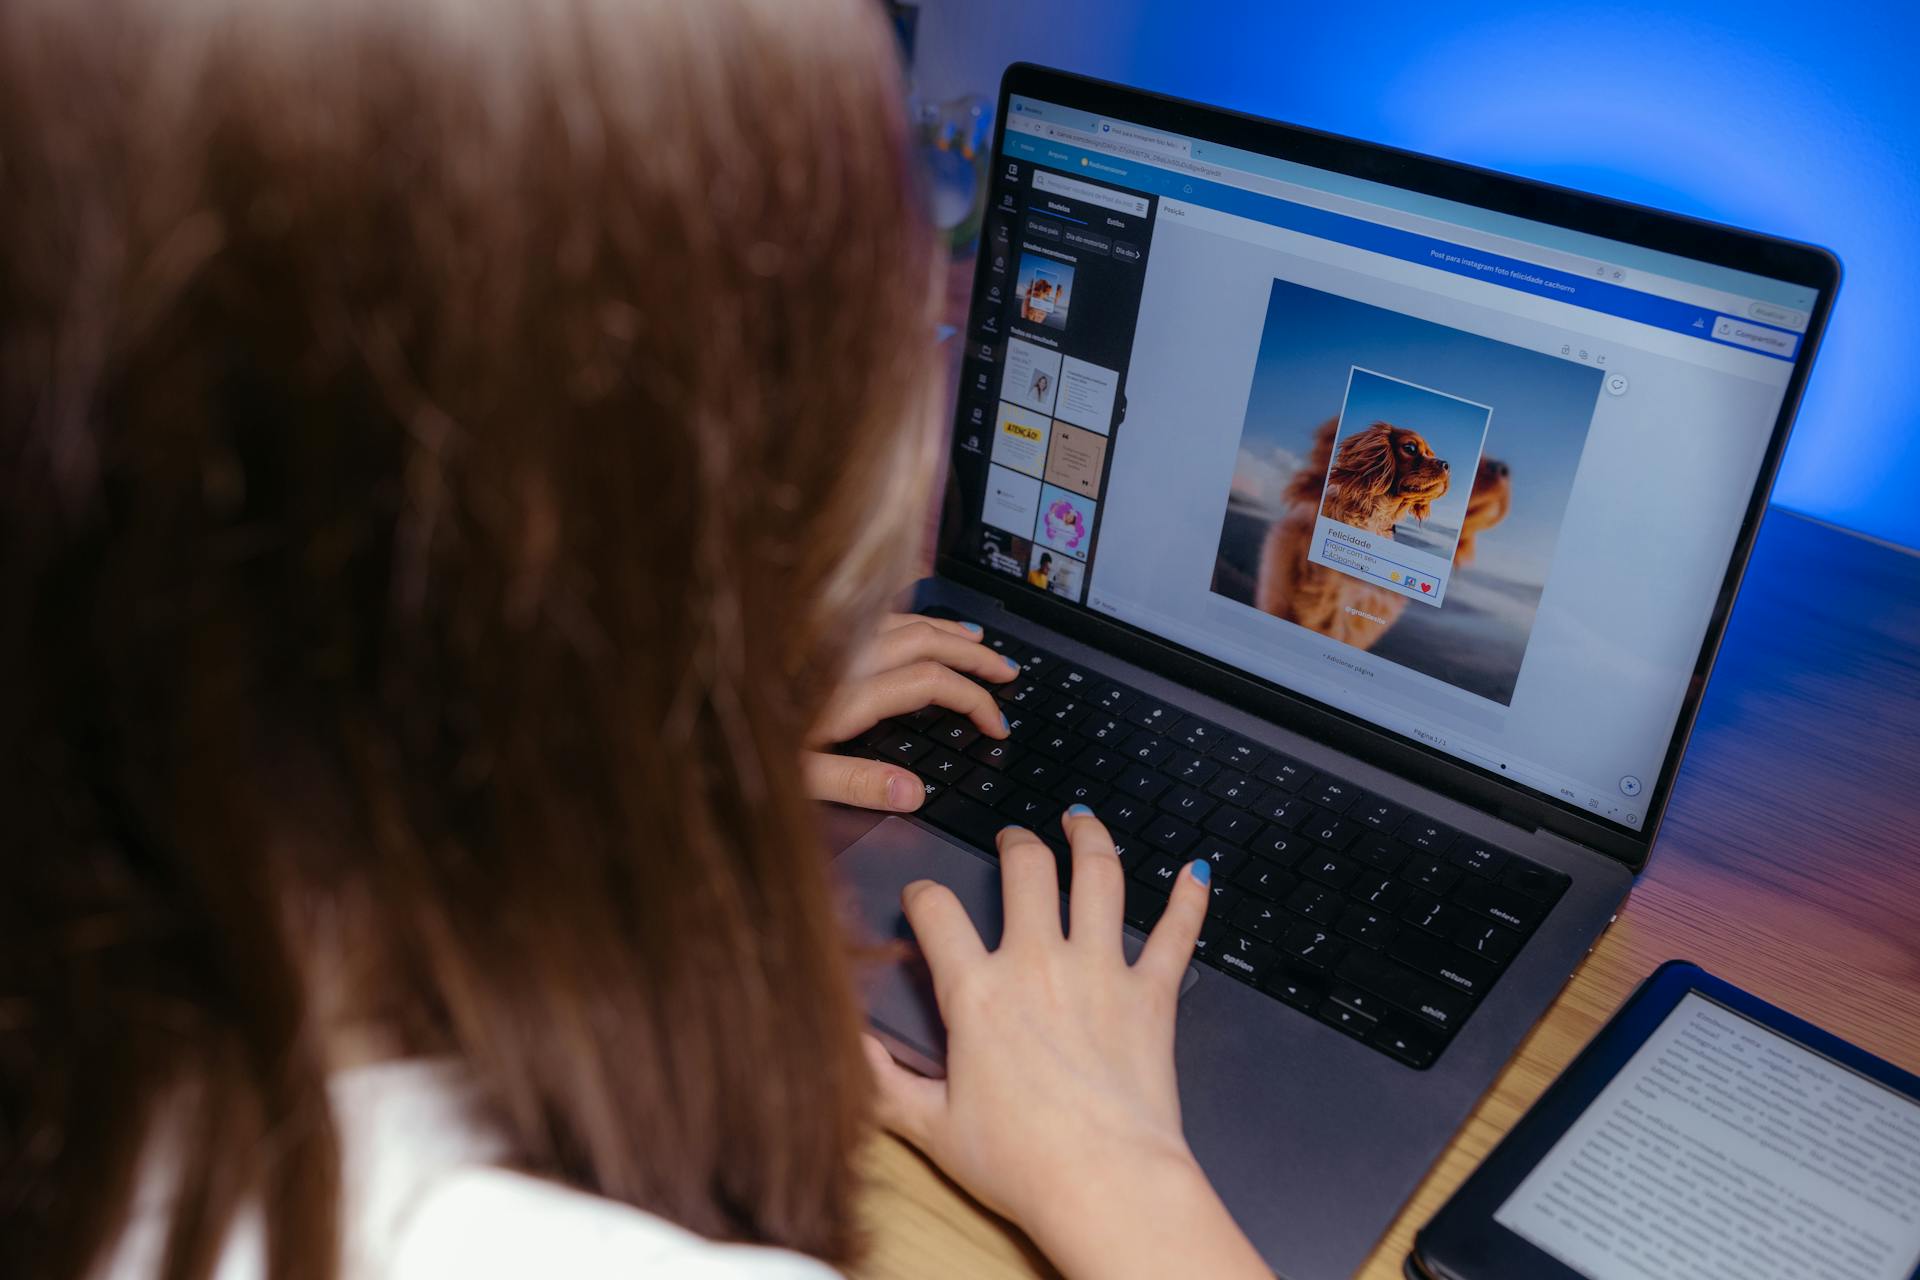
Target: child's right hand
[{"x": 1060, "y": 1109}]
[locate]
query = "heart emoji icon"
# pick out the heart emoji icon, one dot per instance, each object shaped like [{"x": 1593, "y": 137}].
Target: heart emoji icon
[{"x": 1426, "y": 586}]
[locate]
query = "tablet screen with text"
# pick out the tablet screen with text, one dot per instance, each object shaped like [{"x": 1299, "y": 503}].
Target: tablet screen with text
[{"x": 1722, "y": 1149}]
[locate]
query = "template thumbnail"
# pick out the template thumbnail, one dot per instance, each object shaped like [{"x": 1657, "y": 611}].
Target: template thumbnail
[
  {"x": 1044, "y": 289},
  {"x": 1056, "y": 573},
  {"x": 1013, "y": 501},
  {"x": 1020, "y": 439},
  {"x": 1033, "y": 376},
  {"x": 1004, "y": 552},
  {"x": 1339, "y": 513},
  {"x": 1066, "y": 521},
  {"x": 1086, "y": 395},
  {"x": 1075, "y": 459}
]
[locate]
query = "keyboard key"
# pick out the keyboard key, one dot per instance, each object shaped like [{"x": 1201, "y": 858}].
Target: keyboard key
[
  {"x": 1312, "y": 945},
  {"x": 1022, "y": 693},
  {"x": 1185, "y": 802},
  {"x": 1207, "y": 945},
  {"x": 1145, "y": 748},
  {"x": 1436, "y": 917},
  {"x": 1265, "y": 880},
  {"x": 1335, "y": 833},
  {"x": 1431, "y": 1002},
  {"x": 1144, "y": 902},
  {"x": 1124, "y": 813},
  {"x": 1232, "y": 825},
  {"x": 1415, "y": 1048},
  {"x": 1236, "y": 788},
  {"x": 1111, "y": 697},
  {"x": 901, "y": 747},
  {"x": 1191, "y": 767},
  {"x": 1105, "y": 730},
  {"x": 1490, "y": 942},
  {"x": 1381, "y": 815},
  {"x": 1331, "y": 793},
  {"x": 1379, "y": 852},
  {"x": 1283, "y": 848},
  {"x": 1297, "y": 985},
  {"x": 954, "y": 732},
  {"x": 1065, "y": 712},
  {"x": 942, "y": 766},
  {"x": 1100, "y": 764},
  {"x": 1075, "y": 789},
  {"x": 1197, "y": 734},
  {"x": 1224, "y": 859},
  {"x": 929, "y": 789},
  {"x": 1535, "y": 881},
  {"x": 1068, "y": 680},
  {"x": 1382, "y": 894},
  {"x": 1152, "y": 716},
  {"x": 986, "y": 785},
  {"x": 1169, "y": 833},
  {"x": 974, "y": 823},
  {"x": 1503, "y": 905},
  {"x": 1032, "y": 810},
  {"x": 1282, "y": 810},
  {"x": 1424, "y": 953},
  {"x": 1329, "y": 869},
  {"x": 1259, "y": 919},
  {"x": 1057, "y": 742},
  {"x": 1282, "y": 771},
  {"x": 1238, "y": 752},
  {"x": 1477, "y": 856},
  {"x": 1368, "y": 927},
  {"x": 992, "y": 754},
  {"x": 1038, "y": 771},
  {"x": 1430, "y": 873},
  {"x": 1038, "y": 663},
  {"x": 1140, "y": 783},
  {"x": 1425, "y": 833},
  {"x": 1159, "y": 871},
  {"x": 1245, "y": 958},
  {"x": 1317, "y": 903},
  {"x": 1225, "y": 898},
  {"x": 1348, "y": 1019}
]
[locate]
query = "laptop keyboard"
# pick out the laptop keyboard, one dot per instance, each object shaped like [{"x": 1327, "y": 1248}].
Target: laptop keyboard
[{"x": 1344, "y": 905}]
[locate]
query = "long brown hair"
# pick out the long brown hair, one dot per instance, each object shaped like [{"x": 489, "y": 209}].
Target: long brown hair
[{"x": 446, "y": 450}]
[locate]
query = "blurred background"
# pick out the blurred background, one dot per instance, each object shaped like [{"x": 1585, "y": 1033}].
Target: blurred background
[{"x": 1801, "y": 119}]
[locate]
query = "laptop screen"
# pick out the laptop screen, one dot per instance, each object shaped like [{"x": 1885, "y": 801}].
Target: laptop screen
[{"x": 1472, "y": 478}]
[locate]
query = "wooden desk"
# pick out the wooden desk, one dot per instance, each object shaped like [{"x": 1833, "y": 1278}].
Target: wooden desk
[{"x": 1788, "y": 864}]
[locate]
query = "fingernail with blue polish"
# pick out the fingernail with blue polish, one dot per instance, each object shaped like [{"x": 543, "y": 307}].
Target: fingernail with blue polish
[
  {"x": 1004, "y": 726},
  {"x": 1202, "y": 870},
  {"x": 1079, "y": 811},
  {"x": 1010, "y": 662},
  {"x": 973, "y": 627}
]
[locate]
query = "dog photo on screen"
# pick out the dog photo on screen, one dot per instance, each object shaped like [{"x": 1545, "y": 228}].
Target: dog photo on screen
[{"x": 1498, "y": 506}]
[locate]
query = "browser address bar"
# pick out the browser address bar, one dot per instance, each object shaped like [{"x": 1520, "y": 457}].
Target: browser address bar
[{"x": 1132, "y": 151}]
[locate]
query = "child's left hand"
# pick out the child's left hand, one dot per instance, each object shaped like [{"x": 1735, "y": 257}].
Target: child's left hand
[{"x": 912, "y": 662}]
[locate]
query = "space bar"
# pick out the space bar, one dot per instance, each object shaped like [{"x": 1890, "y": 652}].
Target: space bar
[{"x": 974, "y": 823}]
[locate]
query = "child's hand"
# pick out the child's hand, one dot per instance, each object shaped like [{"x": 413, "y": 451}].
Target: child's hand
[
  {"x": 1060, "y": 1108},
  {"x": 913, "y": 662}
]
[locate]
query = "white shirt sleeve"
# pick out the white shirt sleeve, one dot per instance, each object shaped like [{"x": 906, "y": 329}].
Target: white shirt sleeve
[{"x": 490, "y": 1224}]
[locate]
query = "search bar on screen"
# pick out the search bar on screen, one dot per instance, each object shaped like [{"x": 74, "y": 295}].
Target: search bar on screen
[{"x": 1053, "y": 184}]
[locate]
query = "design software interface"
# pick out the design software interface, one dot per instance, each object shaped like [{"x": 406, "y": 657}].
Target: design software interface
[{"x": 1472, "y": 478}]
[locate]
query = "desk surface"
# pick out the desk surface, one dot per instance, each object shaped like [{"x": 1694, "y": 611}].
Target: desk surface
[{"x": 1788, "y": 865}]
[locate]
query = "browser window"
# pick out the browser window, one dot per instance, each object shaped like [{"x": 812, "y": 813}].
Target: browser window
[{"x": 1472, "y": 478}]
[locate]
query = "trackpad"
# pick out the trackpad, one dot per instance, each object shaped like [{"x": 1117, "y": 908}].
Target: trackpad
[{"x": 900, "y": 1002}]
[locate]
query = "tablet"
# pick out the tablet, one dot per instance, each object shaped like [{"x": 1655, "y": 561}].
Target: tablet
[{"x": 1702, "y": 1135}]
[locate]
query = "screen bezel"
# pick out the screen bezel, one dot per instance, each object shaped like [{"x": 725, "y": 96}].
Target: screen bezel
[
  {"x": 1780, "y": 259},
  {"x": 1464, "y": 1239}
]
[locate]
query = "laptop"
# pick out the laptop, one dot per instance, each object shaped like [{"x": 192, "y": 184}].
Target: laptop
[{"x": 1365, "y": 524}]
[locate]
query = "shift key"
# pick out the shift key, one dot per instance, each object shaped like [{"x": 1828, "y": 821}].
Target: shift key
[{"x": 1443, "y": 960}]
